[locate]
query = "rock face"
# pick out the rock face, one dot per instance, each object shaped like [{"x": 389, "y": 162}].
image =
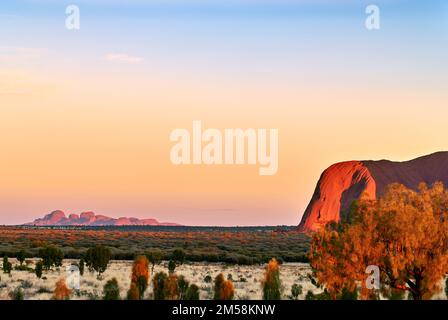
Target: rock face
[
  {"x": 58, "y": 218},
  {"x": 338, "y": 186},
  {"x": 344, "y": 182}
]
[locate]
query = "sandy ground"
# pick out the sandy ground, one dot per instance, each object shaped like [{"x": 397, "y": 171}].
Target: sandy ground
[
  {"x": 246, "y": 280},
  {"x": 91, "y": 287}
]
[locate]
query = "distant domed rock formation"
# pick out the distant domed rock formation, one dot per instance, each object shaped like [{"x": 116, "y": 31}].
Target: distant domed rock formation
[
  {"x": 344, "y": 182},
  {"x": 58, "y": 218}
]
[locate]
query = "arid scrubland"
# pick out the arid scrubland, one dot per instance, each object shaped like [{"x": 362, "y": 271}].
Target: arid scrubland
[
  {"x": 247, "y": 280},
  {"x": 234, "y": 245}
]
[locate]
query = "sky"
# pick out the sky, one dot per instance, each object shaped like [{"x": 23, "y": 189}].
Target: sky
[{"x": 86, "y": 115}]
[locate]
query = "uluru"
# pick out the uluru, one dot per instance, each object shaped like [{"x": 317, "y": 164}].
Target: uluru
[
  {"x": 344, "y": 182},
  {"x": 89, "y": 218}
]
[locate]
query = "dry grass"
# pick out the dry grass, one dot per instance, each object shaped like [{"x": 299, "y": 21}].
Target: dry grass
[{"x": 91, "y": 287}]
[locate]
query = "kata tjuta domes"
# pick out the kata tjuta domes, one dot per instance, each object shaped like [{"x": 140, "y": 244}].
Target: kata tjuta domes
[{"x": 58, "y": 218}]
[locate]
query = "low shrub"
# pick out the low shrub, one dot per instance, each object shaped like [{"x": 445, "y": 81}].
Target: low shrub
[
  {"x": 26, "y": 284},
  {"x": 17, "y": 294}
]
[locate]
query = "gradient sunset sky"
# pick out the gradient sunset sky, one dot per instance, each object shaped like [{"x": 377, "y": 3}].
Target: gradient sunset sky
[{"x": 85, "y": 116}]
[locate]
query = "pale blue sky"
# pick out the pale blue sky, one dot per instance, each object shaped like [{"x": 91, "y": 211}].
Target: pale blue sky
[{"x": 299, "y": 38}]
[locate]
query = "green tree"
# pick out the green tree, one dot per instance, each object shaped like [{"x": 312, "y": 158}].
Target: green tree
[
  {"x": 51, "y": 256},
  {"x": 171, "y": 266},
  {"x": 38, "y": 269},
  {"x": 347, "y": 294},
  {"x": 142, "y": 284},
  {"x": 192, "y": 293},
  {"x": 111, "y": 290},
  {"x": 320, "y": 296},
  {"x": 17, "y": 294},
  {"x": 179, "y": 256},
  {"x": 81, "y": 266},
  {"x": 155, "y": 258},
  {"x": 21, "y": 256},
  {"x": 296, "y": 291},
  {"x": 7, "y": 266},
  {"x": 159, "y": 281},
  {"x": 97, "y": 259},
  {"x": 271, "y": 282},
  {"x": 133, "y": 293},
  {"x": 217, "y": 287},
  {"x": 309, "y": 295},
  {"x": 182, "y": 284},
  {"x": 446, "y": 287}
]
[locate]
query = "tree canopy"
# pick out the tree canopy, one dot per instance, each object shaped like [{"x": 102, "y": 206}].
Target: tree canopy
[
  {"x": 97, "y": 258},
  {"x": 404, "y": 233},
  {"x": 51, "y": 256}
]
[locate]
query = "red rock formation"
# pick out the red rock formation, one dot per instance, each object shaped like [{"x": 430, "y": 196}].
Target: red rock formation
[
  {"x": 54, "y": 217},
  {"x": 73, "y": 217},
  {"x": 58, "y": 218},
  {"x": 337, "y": 186},
  {"x": 344, "y": 182}
]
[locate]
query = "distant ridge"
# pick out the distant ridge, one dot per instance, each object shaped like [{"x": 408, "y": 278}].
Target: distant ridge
[
  {"x": 344, "y": 182},
  {"x": 58, "y": 218}
]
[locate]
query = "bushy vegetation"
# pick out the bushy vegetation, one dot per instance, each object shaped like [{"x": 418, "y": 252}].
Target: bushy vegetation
[
  {"x": 154, "y": 257},
  {"x": 171, "y": 266},
  {"x": 178, "y": 256},
  {"x": 223, "y": 289},
  {"x": 94, "y": 247},
  {"x": 139, "y": 278},
  {"x": 38, "y": 269},
  {"x": 7, "y": 266},
  {"x": 17, "y": 294},
  {"x": 81, "y": 266},
  {"x": 61, "y": 291},
  {"x": 97, "y": 258},
  {"x": 319, "y": 296},
  {"x": 192, "y": 292},
  {"x": 21, "y": 256},
  {"x": 446, "y": 287},
  {"x": 227, "y": 290},
  {"x": 404, "y": 234},
  {"x": 159, "y": 281},
  {"x": 111, "y": 290},
  {"x": 51, "y": 257},
  {"x": 296, "y": 291},
  {"x": 244, "y": 246},
  {"x": 182, "y": 284},
  {"x": 173, "y": 287},
  {"x": 22, "y": 267},
  {"x": 271, "y": 283},
  {"x": 217, "y": 285}
]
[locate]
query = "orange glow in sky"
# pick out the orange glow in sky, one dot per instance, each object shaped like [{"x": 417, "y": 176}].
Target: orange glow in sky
[{"x": 85, "y": 128}]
